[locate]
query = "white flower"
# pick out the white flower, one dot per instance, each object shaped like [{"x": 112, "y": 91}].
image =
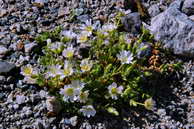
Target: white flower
[
  {"x": 72, "y": 91},
  {"x": 149, "y": 104},
  {"x": 83, "y": 96},
  {"x": 67, "y": 70},
  {"x": 56, "y": 47},
  {"x": 86, "y": 65},
  {"x": 88, "y": 111},
  {"x": 69, "y": 34},
  {"x": 125, "y": 57},
  {"x": 114, "y": 91},
  {"x": 28, "y": 71},
  {"x": 109, "y": 27},
  {"x": 83, "y": 37},
  {"x": 87, "y": 28},
  {"x": 68, "y": 52},
  {"x": 54, "y": 70},
  {"x": 48, "y": 41},
  {"x": 69, "y": 93},
  {"x": 127, "y": 39}
]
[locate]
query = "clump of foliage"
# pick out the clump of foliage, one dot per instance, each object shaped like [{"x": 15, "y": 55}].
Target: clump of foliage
[{"x": 111, "y": 75}]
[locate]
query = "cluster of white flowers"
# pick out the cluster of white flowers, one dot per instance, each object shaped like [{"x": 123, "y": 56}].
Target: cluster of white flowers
[
  {"x": 73, "y": 92},
  {"x": 125, "y": 57},
  {"x": 29, "y": 72},
  {"x": 114, "y": 90},
  {"x": 57, "y": 70}
]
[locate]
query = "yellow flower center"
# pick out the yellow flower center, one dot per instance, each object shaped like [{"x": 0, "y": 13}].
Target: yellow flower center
[
  {"x": 70, "y": 54},
  {"x": 114, "y": 90},
  {"x": 89, "y": 28},
  {"x": 66, "y": 71},
  {"x": 28, "y": 70},
  {"x": 83, "y": 38},
  {"x": 69, "y": 91},
  {"x": 85, "y": 68}
]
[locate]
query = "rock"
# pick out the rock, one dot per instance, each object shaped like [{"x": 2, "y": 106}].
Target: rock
[
  {"x": 175, "y": 30},
  {"x": 73, "y": 120},
  {"x": 6, "y": 67},
  {"x": 188, "y": 7},
  {"x": 63, "y": 11},
  {"x": 154, "y": 10},
  {"x": 43, "y": 94},
  {"x": 191, "y": 17},
  {"x": 3, "y": 51},
  {"x": 20, "y": 99},
  {"x": 53, "y": 106},
  {"x": 38, "y": 124},
  {"x": 3, "y": 12},
  {"x": 2, "y": 79},
  {"x": 132, "y": 23},
  {"x": 83, "y": 18},
  {"x": 40, "y": 3},
  {"x": 28, "y": 47}
]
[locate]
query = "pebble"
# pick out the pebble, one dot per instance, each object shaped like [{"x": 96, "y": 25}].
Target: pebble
[
  {"x": 6, "y": 67},
  {"x": 29, "y": 47},
  {"x": 3, "y": 51},
  {"x": 53, "y": 105},
  {"x": 3, "y": 12},
  {"x": 20, "y": 99}
]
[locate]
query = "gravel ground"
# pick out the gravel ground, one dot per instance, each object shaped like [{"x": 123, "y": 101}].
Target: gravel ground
[{"x": 25, "y": 106}]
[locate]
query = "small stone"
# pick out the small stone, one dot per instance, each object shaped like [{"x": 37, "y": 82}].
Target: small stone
[
  {"x": 3, "y": 12},
  {"x": 53, "y": 106},
  {"x": 43, "y": 94},
  {"x": 83, "y": 18},
  {"x": 6, "y": 67},
  {"x": 15, "y": 106},
  {"x": 29, "y": 47},
  {"x": 40, "y": 3},
  {"x": 2, "y": 79},
  {"x": 188, "y": 7},
  {"x": 132, "y": 23},
  {"x": 20, "y": 99},
  {"x": 73, "y": 120},
  {"x": 2, "y": 96},
  {"x": 191, "y": 17},
  {"x": 38, "y": 124},
  {"x": 63, "y": 11},
  {"x": 3, "y": 51}
]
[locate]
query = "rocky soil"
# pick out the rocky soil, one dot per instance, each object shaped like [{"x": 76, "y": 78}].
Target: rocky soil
[{"x": 25, "y": 106}]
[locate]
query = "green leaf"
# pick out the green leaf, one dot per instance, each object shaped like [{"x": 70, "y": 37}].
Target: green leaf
[
  {"x": 132, "y": 103},
  {"x": 113, "y": 111}
]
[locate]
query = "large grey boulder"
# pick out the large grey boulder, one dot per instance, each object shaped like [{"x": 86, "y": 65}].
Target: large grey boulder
[
  {"x": 174, "y": 29},
  {"x": 188, "y": 7}
]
